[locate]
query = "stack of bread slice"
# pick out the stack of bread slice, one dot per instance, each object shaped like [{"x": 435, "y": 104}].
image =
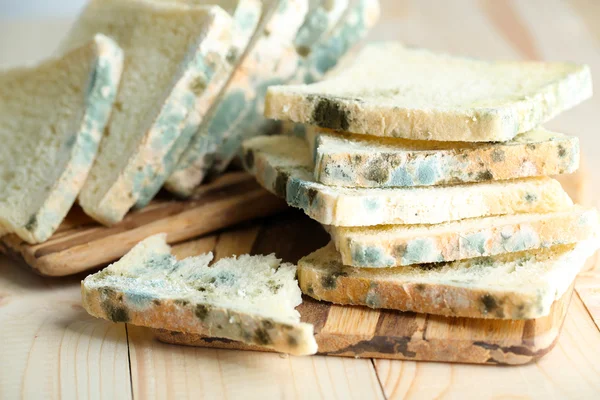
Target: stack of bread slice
[{"x": 432, "y": 175}]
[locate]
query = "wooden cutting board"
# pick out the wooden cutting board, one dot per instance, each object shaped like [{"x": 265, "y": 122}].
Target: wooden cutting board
[{"x": 363, "y": 332}]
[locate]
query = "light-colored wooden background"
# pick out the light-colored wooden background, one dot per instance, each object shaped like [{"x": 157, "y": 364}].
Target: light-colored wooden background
[{"x": 49, "y": 346}]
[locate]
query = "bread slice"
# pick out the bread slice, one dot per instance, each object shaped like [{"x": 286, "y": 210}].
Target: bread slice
[
  {"x": 250, "y": 298},
  {"x": 363, "y": 161},
  {"x": 510, "y": 286},
  {"x": 397, "y": 91},
  {"x": 323, "y": 59},
  {"x": 246, "y": 16},
  {"x": 175, "y": 62},
  {"x": 396, "y": 245},
  {"x": 51, "y": 120},
  {"x": 282, "y": 164},
  {"x": 219, "y": 140}
]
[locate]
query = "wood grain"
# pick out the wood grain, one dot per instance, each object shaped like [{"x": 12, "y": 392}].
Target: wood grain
[{"x": 50, "y": 346}]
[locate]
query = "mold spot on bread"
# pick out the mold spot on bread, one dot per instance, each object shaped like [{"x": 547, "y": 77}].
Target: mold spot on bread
[
  {"x": 490, "y": 304},
  {"x": 292, "y": 341},
  {"x": 311, "y": 194},
  {"x": 303, "y": 51},
  {"x": 530, "y": 197},
  {"x": 198, "y": 85},
  {"x": 485, "y": 175},
  {"x": 372, "y": 298},
  {"x": 261, "y": 337},
  {"x": 377, "y": 173},
  {"x": 201, "y": 311},
  {"x": 419, "y": 251},
  {"x": 531, "y": 146},
  {"x": 310, "y": 290},
  {"x": 329, "y": 282},
  {"x": 274, "y": 286},
  {"x": 562, "y": 152},
  {"x": 498, "y": 155},
  {"x": 31, "y": 223},
  {"x": 156, "y": 302},
  {"x": 330, "y": 114},
  {"x": 427, "y": 172},
  {"x": 280, "y": 186},
  {"x": 181, "y": 302},
  {"x": 370, "y": 256},
  {"x": 112, "y": 304},
  {"x": 475, "y": 242},
  {"x": 401, "y": 177}
]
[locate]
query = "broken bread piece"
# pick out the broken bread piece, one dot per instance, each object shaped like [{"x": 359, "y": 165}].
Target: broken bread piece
[
  {"x": 395, "y": 245},
  {"x": 52, "y": 117},
  {"x": 397, "y": 91},
  {"x": 176, "y": 62},
  {"x": 366, "y": 161},
  {"x": 282, "y": 165},
  {"x": 510, "y": 286},
  {"x": 251, "y": 299}
]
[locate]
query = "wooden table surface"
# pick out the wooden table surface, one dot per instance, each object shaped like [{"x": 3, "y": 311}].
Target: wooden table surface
[{"x": 50, "y": 347}]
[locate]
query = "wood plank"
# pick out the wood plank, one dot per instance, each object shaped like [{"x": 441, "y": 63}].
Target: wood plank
[
  {"x": 49, "y": 345},
  {"x": 569, "y": 371}
]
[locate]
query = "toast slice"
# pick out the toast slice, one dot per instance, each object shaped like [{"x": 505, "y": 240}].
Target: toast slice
[
  {"x": 363, "y": 161},
  {"x": 325, "y": 58},
  {"x": 251, "y": 299},
  {"x": 510, "y": 286},
  {"x": 176, "y": 62},
  {"x": 397, "y": 245},
  {"x": 52, "y": 117},
  {"x": 397, "y": 91},
  {"x": 216, "y": 144},
  {"x": 246, "y": 17},
  {"x": 282, "y": 164}
]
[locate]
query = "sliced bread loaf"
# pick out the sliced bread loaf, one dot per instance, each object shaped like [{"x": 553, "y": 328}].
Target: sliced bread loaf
[
  {"x": 510, "y": 286},
  {"x": 323, "y": 59},
  {"x": 260, "y": 65},
  {"x": 52, "y": 117},
  {"x": 282, "y": 164},
  {"x": 396, "y": 245},
  {"x": 398, "y": 91},
  {"x": 215, "y": 146},
  {"x": 175, "y": 62},
  {"x": 363, "y": 161},
  {"x": 250, "y": 298}
]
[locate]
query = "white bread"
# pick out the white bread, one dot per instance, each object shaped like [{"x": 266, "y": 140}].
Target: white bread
[
  {"x": 367, "y": 161},
  {"x": 396, "y": 245},
  {"x": 397, "y": 91},
  {"x": 52, "y": 117},
  {"x": 282, "y": 164},
  {"x": 214, "y": 146},
  {"x": 250, "y": 298},
  {"x": 510, "y": 286},
  {"x": 175, "y": 62}
]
